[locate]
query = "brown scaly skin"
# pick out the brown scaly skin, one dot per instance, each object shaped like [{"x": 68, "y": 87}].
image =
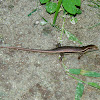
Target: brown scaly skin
[{"x": 61, "y": 50}]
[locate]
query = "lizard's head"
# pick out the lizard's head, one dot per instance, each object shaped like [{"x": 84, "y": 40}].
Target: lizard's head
[{"x": 92, "y": 47}]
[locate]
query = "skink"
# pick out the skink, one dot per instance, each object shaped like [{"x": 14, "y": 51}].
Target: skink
[{"x": 62, "y": 49}]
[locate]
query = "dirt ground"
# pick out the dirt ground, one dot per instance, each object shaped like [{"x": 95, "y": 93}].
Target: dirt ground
[{"x": 36, "y": 76}]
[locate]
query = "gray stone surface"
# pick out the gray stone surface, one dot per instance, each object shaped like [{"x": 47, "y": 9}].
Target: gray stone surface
[{"x": 36, "y": 76}]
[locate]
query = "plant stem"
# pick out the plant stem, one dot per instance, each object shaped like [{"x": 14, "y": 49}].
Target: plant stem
[
  {"x": 56, "y": 13},
  {"x": 72, "y": 75},
  {"x": 75, "y": 78},
  {"x": 94, "y": 25},
  {"x": 62, "y": 30}
]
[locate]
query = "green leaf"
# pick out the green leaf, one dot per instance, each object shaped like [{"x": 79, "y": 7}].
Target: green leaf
[
  {"x": 94, "y": 85},
  {"x": 78, "y": 11},
  {"x": 90, "y": 73},
  {"x": 79, "y": 91},
  {"x": 72, "y": 37},
  {"x": 77, "y": 2},
  {"x": 73, "y": 20},
  {"x": 44, "y": 1},
  {"x": 32, "y": 12},
  {"x": 74, "y": 71},
  {"x": 51, "y": 7},
  {"x": 70, "y": 5}
]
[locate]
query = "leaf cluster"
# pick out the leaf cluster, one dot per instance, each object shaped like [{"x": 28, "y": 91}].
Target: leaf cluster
[{"x": 70, "y": 6}]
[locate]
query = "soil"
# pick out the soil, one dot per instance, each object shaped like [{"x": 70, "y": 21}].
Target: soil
[{"x": 36, "y": 76}]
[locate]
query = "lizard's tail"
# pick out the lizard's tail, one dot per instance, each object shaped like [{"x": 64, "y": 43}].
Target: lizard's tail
[{"x": 30, "y": 50}]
